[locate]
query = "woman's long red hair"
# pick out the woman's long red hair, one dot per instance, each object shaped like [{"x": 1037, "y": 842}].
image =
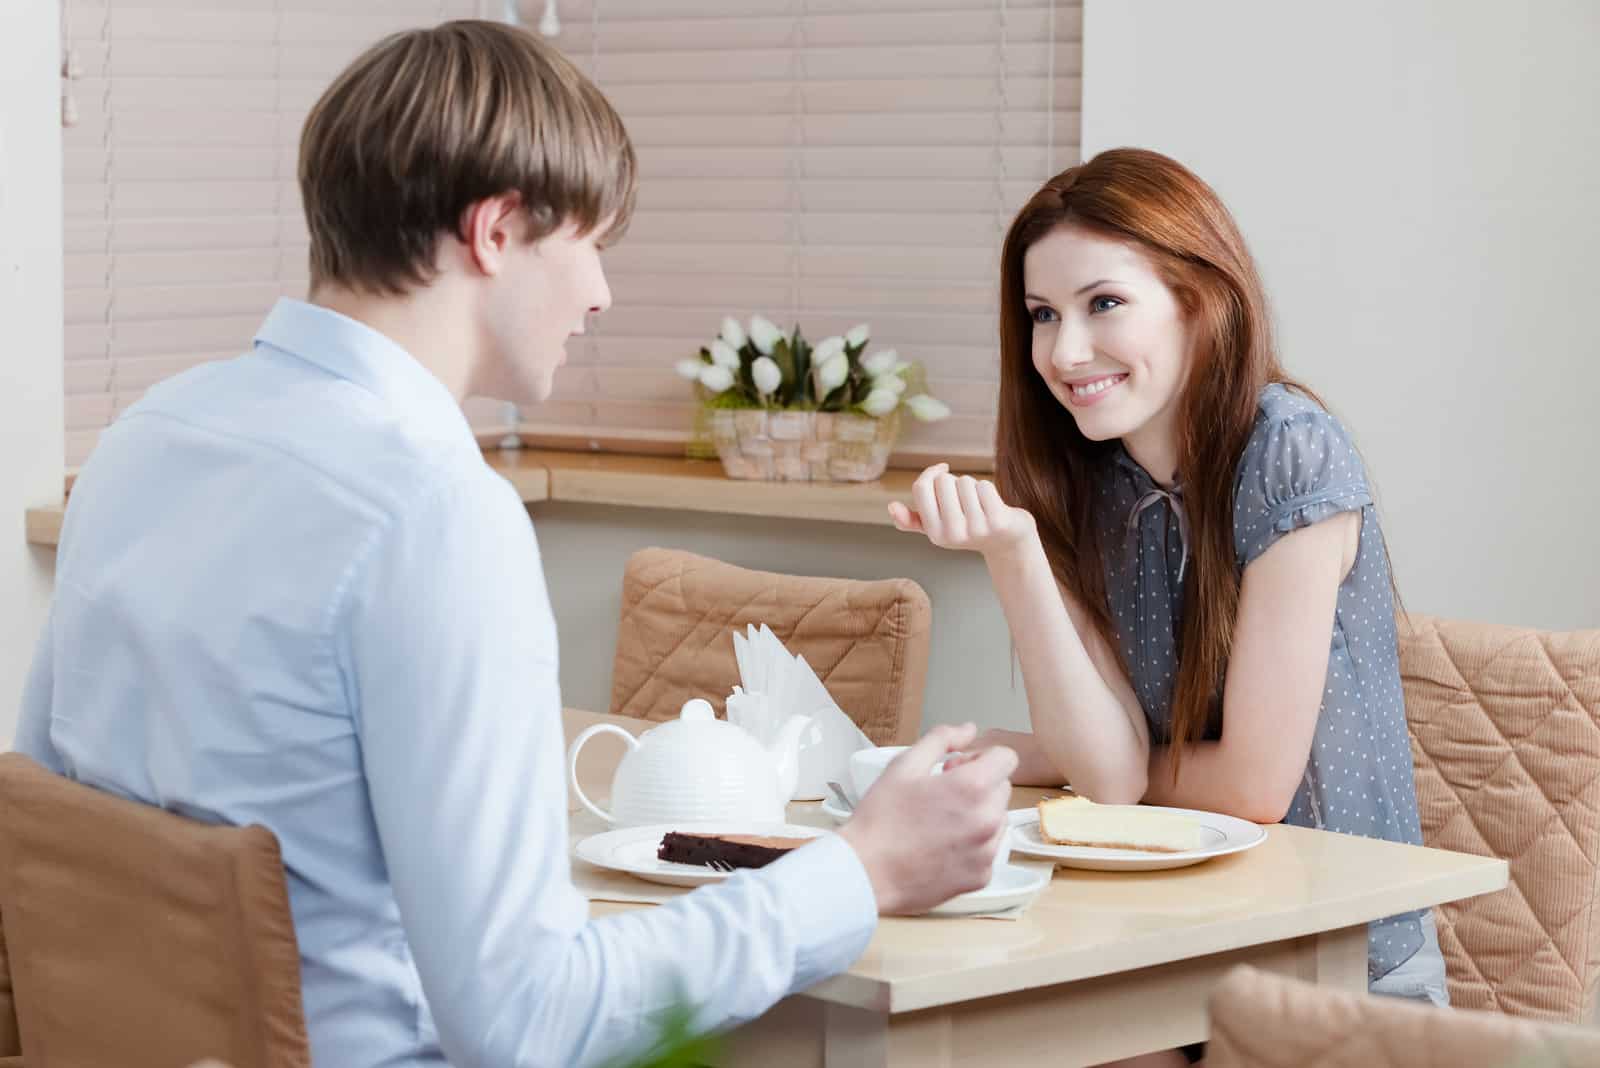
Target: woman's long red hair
[{"x": 1044, "y": 464}]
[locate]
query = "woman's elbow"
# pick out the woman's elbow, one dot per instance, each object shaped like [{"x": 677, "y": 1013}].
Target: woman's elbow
[{"x": 1268, "y": 803}]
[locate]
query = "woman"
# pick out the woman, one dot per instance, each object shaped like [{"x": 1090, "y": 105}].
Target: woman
[{"x": 1182, "y": 539}]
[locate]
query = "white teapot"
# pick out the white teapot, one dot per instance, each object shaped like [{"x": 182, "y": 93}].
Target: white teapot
[{"x": 696, "y": 767}]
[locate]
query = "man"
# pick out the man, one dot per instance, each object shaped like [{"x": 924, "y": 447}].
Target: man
[{"x": 290, "y": 592}]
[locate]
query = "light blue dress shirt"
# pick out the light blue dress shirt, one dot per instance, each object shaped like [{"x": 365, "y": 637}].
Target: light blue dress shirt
[{"x": 290, "y": 592}]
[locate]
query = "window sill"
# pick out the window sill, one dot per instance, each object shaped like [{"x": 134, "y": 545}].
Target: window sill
[{"x": 646, "y": 482}]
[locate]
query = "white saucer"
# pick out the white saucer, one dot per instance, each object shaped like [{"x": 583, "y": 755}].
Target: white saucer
[
  {"x": 834, "y": 811},
  {"x": 1015, "y": 885},
  {"x": 633, "y": 849},
  {"x": 1222, "y": 835}
]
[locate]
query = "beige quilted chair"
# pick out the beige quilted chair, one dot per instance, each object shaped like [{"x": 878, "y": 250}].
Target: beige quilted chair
[
  {"x": 1259, "y": 1020},
  {"x": 1505, "y": 734},
  {"x": 867, "y": 641},
  {"x": 137, "y": 938}
]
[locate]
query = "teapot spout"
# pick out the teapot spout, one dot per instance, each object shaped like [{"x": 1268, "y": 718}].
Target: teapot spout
[{"x": 785, "y": 753}]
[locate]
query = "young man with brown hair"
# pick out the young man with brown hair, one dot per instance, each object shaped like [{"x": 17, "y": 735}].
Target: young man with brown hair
[{"x": 290, "y": 592}]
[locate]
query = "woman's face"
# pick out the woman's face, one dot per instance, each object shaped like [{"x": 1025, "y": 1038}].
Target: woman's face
[{"x": 1109, "y": 338}]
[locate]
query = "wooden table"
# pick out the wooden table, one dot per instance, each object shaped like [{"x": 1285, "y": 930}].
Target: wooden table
[{"x": 1103, "y": 965}]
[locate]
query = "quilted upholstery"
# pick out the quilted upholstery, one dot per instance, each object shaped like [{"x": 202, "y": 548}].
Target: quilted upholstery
[
  {"x": 10, "y": 1040},
  {"x": 1260, "y": 1020},
  {"x": 1505, "y": 735},
  {"x": 867, "y": 641},
  {"x": 141, "y": 939}
]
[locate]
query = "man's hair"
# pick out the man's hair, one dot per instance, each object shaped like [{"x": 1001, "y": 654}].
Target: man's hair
[{"x": 428, "y": 122}]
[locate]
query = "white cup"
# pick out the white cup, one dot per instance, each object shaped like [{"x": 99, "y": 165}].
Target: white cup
[{"x": 867, "y": 764}]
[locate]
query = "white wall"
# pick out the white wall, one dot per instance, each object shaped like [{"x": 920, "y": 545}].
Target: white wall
[
  {"x": 1420, "y": 182},
  {"x": 585, "y": 546},
  {"x": 30, "y": 326}
]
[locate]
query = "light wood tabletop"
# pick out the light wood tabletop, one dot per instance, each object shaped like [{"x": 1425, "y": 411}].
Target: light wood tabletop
[{"x": 1103, "y": 964}]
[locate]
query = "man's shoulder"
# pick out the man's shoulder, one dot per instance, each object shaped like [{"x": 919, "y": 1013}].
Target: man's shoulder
[{"x": 313, "y": 444}]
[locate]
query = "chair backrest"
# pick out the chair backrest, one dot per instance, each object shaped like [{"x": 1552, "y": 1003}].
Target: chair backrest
[
  {"x": 1505, "y": 737},
  {"x": 139, "y": 938},
  {"x": 867, "y": 641},
  {"x": 1260, "y": 1020},
  {"x": 10, "y": 1038}
]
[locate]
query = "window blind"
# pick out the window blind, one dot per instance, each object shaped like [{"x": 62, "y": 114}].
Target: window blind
[
  {"x": 825, "y": 162},
  {"x": 182, "y": 212}
]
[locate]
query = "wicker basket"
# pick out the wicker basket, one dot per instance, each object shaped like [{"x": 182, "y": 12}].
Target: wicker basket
[{"x": 803, "y": 446}]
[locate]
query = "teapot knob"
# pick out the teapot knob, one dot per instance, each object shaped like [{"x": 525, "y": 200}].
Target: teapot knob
[{"x": 697, "y": 709}]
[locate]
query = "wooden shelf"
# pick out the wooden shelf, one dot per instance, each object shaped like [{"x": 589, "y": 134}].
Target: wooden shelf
[
  {"x": 44, "y": 525},
  {"x": 648, "y": 482}
]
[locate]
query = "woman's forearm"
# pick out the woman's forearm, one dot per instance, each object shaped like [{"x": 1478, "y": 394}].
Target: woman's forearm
[
  {"x": 1210, "y": 778},
  {"x": 1078, "y": 721}
]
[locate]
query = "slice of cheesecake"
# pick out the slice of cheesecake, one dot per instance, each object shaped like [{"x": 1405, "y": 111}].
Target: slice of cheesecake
[
  {"x": 1077, "y": 821},
  {"x": 735, "y": 850}
]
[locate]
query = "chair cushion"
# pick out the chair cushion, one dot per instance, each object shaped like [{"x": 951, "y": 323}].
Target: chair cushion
[
  {"x": 867, "y": 641},
  {"x": 1505, "y": 734},
  {"x": 1259, "y": 1020},
  {"x": 139, "y": 938}
]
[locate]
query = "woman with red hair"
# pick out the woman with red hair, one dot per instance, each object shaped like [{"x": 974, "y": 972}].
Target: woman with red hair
[{"x": 1182, "y": 538}]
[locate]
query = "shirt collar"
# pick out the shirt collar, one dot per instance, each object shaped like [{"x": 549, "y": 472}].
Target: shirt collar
[
  {"x": 357, "y": 353},
  {"x": 1142, "y": 478}
]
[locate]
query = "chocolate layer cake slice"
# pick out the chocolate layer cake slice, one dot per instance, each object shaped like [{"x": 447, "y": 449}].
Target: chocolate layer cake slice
[{"x": 736, "y": 850}]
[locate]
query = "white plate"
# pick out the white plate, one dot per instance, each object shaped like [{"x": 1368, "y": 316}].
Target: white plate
[
  {"x": 633, "y": 849},
  {"x": 835, "y": 811},
  {"x": 1222, "y": 835},
  {"x": 1015, "y": 885}
]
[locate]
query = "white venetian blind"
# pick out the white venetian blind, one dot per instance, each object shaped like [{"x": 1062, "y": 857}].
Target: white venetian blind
[
  {"x": 182, "y": 213},
  {"x": 821, "y": 161}
]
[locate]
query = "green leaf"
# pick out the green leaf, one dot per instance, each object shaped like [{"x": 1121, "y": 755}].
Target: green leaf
[
  {"x": 784, "y": 358},
  {"x": 802, "y": 369},
  {"x": 676, "y": 1045}
]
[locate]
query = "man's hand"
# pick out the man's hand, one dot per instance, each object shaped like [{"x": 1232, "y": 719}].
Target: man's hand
[{"x": 925, "y": 838}]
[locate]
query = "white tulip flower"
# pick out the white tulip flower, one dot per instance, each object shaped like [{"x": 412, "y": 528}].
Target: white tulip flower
[
  {"x": 857, "y": 335},
  {"x": 891, "y": 382},
  {"x": 768, "y": 377},
  {"x": 880, "y": 363},
  {"x": 827, "y": 349},
  {"x": 831, "y": 373},
  {"x": 732, "y": 332},
  {"x": 765, "y": 334},
  {"x": 716, "y": 378},
  {"x": 690, "y": 368},
  {"x": 928, "y": 409},
  {"x": 722, "y": 355},
  {"x": 880, "y": 402}
]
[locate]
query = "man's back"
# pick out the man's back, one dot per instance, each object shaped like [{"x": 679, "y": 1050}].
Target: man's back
[{"x": 209, "y": 550}]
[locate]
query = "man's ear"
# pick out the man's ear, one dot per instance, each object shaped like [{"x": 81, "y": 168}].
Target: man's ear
[{"x": 490, "y": 228}]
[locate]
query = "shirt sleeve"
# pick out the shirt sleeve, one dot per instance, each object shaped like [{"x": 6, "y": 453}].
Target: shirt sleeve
[
  {"x": 33, "y": 723},
  {"x": 1297, "y": 469},
  {"x": 452, "y": 659}
]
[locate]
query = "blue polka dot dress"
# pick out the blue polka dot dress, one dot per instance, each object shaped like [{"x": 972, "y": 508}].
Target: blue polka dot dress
[{"x": 1298, "y": 468}]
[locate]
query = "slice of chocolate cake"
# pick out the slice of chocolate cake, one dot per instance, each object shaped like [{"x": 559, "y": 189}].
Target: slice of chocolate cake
[{"x": 737, "y": 850}]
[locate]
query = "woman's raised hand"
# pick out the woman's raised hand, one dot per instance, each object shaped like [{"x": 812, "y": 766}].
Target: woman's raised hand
[{"x": 962, "y": 512}]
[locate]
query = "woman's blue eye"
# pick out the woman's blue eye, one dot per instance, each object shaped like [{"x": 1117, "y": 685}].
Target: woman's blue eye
[
  {"x": 1043, "y": 315},
  {"x": 1104, "y": 304}
]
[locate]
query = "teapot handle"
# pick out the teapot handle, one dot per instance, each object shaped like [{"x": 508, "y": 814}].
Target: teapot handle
[{"x": 572, "y": 763}]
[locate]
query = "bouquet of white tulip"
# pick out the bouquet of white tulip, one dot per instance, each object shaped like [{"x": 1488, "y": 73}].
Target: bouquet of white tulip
[
  {"x": 774, "y": 406},
  {"x": 765, "y": 368}
]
